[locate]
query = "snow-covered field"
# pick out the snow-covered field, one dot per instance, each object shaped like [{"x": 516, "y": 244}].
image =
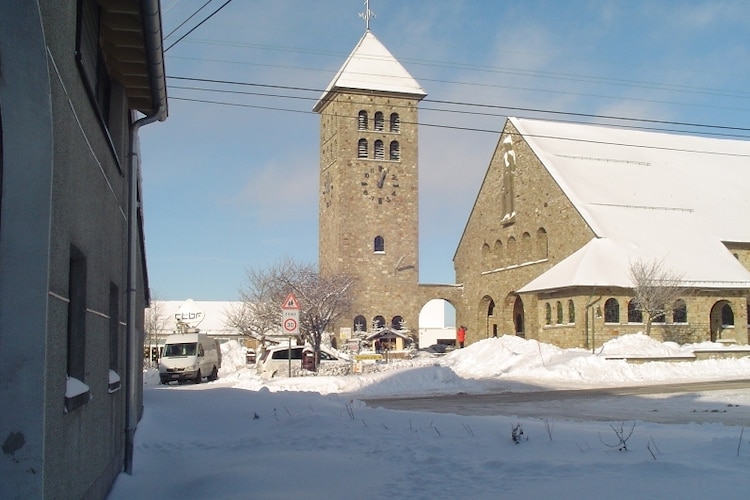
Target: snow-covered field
[{"x": 313, "y": 437}]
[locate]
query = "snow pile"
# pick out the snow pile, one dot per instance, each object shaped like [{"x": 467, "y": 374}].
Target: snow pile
[{"x": 243, "y": 437}]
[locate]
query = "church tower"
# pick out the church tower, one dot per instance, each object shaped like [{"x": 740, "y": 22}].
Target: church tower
[{"x": 368, "y": 208}]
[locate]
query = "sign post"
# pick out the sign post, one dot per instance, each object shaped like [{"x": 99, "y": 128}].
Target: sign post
[{"x": 290, "y": 322}]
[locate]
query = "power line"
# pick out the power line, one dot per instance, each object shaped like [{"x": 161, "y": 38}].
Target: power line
[
  {"x": 491, "y": 131},
  {"x": 198, "y": 25},
  {"x": 183, "y": 23},
  {"x": 467, "y": 104}
]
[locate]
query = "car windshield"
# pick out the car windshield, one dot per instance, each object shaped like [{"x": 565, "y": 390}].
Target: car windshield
[{"x": 186, "y": 349}]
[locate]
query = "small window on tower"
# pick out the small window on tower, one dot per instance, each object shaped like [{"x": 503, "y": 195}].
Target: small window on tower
[
  {"x": 362, "y": 120},
  {"x": 362, "y": 148},
  {"x": 395, "y": 151},
  {"x": 379, "y": 150},
  {"x": 379, "y": 121},
  {"x": 379, "y": 244},
  {"x": 395, "y": 122}
]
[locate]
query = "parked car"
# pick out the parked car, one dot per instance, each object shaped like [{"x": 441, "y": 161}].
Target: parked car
[
  {"x": 275, "y": 361},
  {"x": 250, "y": 356}
]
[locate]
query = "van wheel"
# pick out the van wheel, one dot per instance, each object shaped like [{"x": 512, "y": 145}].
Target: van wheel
[
  {"x": 214, "y": 374},
  {"x": 198, "y": 377}
]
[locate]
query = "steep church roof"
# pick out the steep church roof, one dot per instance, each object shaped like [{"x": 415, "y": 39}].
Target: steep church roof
[
  {"x": 371, "y": 67},
  {"x": 648, "y": 196}
]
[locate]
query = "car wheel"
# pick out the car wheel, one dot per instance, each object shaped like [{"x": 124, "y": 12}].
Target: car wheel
[
  {"x": 214, "y": 374},
  {"x": 198, "y": 377}
]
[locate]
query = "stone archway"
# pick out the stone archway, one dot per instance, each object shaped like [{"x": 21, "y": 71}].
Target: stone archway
[
  {"x": 519, "y": 318},
  {"x": 487, "y": 320},
  {"x": 722, "y": 321}
]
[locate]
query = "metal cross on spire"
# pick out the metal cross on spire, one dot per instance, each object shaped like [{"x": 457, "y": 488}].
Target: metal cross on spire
[{"x": 367, "y": 15}]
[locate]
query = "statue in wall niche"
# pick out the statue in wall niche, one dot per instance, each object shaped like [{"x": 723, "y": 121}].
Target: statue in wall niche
[{"x": 509, "y": 168}]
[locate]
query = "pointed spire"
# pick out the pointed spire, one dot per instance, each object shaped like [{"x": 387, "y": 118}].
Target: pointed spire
[
  {"x": 367, "y": 15},
  {"x": 371, "y": 67}
]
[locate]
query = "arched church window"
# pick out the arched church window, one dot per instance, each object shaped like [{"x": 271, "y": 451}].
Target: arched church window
[
  {"x": 379, "y": 121},
  {"x": 526, "y": 254},
  {"x": 547, "y": 314},
  {"x": 362, "y": 120},
  {"x": 498, "y": 253},
  {"x": 379, "y": 150},
  {"x": 379, "y": 244},
  {"x": 559, "y": 310},
  {"x": 634, "y": 313},
  {"x": 611, "y": 311},
  {"x": 571, "y": 312},
  {"x": 679, "y": 311},
  {"x": 511, "y": 251},
  {"x": 542, "y": 248},
  {"x": 395, "y": 154},
  {"x": 395, "y": 122},
  {"x": 362, "y": 148},
  {"x": 397, "y": 323},
  {"x": 378, "y": 322},
  {"x": 727, "y": 315},
  {"x": 360, "y": 324}
]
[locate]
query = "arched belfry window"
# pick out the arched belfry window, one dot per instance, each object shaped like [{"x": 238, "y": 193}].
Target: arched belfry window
[
  {"x": 395, "y": 151},
  {"x": 379, "y": 150},
  {"x": 362, "y": 120},
  {"x": 379, "y": 244},
  {"x": 379, "y": 121},
  {"x": 395, "y": 123},
  {"x": 362, "y": 148}
]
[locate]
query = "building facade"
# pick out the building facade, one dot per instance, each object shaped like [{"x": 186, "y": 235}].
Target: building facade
[
  {"x": 565, "y": 210},
  {"x": 80, "y": 77}
]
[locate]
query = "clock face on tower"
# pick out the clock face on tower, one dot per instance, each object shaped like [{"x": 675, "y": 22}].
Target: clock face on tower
[{"x": 379, "y": 185}]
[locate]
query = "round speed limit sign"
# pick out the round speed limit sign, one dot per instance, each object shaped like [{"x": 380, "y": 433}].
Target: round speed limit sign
[{"x": 290, "y": 325}]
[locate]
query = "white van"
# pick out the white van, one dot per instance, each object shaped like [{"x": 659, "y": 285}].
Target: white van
[{"x": 189, "y": 356}]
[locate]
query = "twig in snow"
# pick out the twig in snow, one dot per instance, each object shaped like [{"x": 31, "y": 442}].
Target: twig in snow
[
  {"x": 740, "y": 442},
  {"x": 548, "y": 428},
  {"x": 654, "y": 443},
  {"x": 622, "y": 439}
]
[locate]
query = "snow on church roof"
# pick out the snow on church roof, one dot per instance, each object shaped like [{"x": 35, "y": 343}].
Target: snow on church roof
[
  {"x": 648, "y": 196},
  {"x": 371, "y": 66}
]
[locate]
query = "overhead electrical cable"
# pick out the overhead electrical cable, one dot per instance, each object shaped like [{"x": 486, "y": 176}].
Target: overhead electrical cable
[{"x": 198, "y": 25}]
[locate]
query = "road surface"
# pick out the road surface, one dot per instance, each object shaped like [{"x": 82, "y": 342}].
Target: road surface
[{"x": 700, "y": 402}]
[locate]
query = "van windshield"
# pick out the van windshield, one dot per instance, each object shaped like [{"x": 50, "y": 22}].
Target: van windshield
[{"x": 186, "y": 349}]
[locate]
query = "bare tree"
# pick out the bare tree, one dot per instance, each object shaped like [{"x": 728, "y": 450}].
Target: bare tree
[
  {"x": 155, "y": 321},
  {"x": 258, "y": 314},
  {"x": 322, "y": 299},
  {"x": 657, "y": 290}
]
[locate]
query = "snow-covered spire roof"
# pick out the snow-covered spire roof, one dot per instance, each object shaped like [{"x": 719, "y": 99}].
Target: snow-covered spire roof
[{"x": 372, "y": 67}]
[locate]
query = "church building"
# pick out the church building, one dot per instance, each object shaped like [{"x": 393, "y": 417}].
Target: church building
[{"x": 564, "y": 212}]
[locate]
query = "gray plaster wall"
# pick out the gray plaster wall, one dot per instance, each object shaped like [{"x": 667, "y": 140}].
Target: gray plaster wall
[{"x": 64, "y": 184}]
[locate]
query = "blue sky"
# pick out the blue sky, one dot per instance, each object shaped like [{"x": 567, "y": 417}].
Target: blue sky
[{"x": 231, "y": 178}]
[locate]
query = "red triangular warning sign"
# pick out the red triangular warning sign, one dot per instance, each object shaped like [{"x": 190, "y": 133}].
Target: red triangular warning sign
[{"x": 290, "y": 302}]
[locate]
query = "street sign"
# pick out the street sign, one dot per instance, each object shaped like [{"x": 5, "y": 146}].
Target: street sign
[
  {"x": 290, "y": 315},
  {"x": 290, "y": 303}
]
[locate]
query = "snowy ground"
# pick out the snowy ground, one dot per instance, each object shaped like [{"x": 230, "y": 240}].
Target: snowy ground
[{"x": 313, "y": 437}]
